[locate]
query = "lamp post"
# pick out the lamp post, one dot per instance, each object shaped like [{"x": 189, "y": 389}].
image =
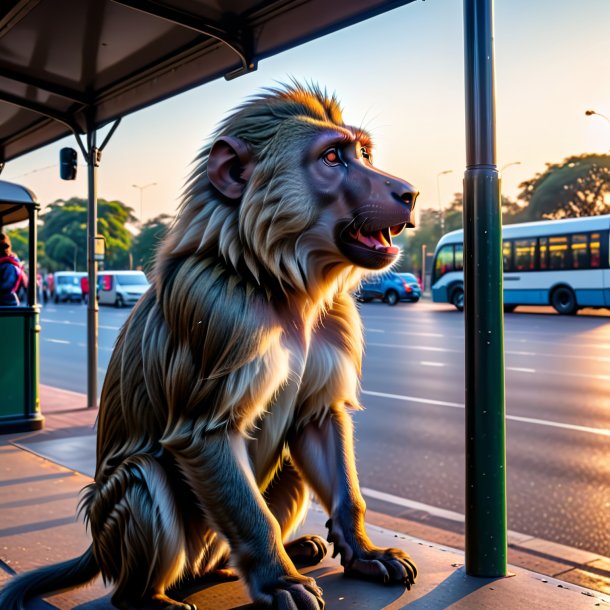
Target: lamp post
[
  {"x": 509, "y": 165},
  {"x": 592, "y": 112},
  {"x": 438, "y": 194},
  {"x": 141, "y": 189}
]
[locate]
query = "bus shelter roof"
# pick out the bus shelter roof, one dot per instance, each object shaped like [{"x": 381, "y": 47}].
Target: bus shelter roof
[
  {"x": 71, "y": 66},
  {"x": 15, "y": 203}
]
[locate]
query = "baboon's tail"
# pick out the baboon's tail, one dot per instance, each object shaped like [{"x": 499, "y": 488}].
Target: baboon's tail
[{"x": 57, "y": 577}]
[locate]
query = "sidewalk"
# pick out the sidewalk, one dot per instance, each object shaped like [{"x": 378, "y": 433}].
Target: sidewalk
[{"x": 41, "y": 474}]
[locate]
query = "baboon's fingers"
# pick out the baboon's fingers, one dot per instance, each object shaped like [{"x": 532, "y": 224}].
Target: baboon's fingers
[
  {"x": 385, "y": 567},
  {"x": 307, "y": 550},
  {"x": 297, "y": 597}
]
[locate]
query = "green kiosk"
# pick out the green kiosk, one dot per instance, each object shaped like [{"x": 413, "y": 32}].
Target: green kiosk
[{"x": 20, "y": 326}]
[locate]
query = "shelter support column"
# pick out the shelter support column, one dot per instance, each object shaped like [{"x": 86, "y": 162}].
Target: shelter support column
[
  {"x": 486, "y": 538},
  {"x": 93, "y": 162}
]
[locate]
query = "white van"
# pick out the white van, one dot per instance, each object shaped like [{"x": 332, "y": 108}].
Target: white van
[
  {"x": 67, "y": 286},
  {"x": 121, "y": 288}
]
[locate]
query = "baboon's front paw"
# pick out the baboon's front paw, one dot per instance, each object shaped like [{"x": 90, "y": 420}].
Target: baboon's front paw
[
  {"x": 306, "y": 550},
  {"x": 362, "y": 559},
  {"x": 386, "y": 565},
  {"x": 293, "y": 593}
]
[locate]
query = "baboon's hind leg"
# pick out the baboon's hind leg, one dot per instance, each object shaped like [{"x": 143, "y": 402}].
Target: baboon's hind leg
[
  {"x": 288, "y": 499},
  {"x": 138, "y": 535}
]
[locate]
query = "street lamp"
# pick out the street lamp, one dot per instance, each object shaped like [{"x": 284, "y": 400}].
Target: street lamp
[
  {"x": 592, "y": 112},
  {"x": 141, "y": 188},
  {"x": 509, "y": 165},
  {"x": 438, "y": 194}
]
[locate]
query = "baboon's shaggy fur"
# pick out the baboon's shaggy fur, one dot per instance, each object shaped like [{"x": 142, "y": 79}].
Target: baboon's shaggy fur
[{"x": 230, "y": 384}]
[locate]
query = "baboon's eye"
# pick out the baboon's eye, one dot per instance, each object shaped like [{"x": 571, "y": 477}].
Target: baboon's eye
[
  {"x": 331, "y": 157},
  {"x": 366, "y": 154}
]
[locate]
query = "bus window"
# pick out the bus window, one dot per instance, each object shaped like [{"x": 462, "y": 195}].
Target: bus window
[
  {"x": 444, "y": 261},
  {"x": 525, "y": 254},
  {"x": 458, "y": 262},
  {"x": 543, "y": 249},
  {"x": 594, "y": 246},
  {"x": 580, "y": 251},
  {"x": 558, "y": 250},
  {"x": 507, "y": 255}
]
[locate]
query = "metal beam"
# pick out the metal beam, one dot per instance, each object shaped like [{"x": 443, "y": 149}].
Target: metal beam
[
  {"x": 50, "y": 87},
  {"x": 60, "y": 117},
  {"x": 237, "y": 37},
  {"x": 486, "y": 537}
]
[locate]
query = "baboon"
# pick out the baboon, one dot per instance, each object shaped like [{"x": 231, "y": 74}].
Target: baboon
[{"x": 228, "y": 395}]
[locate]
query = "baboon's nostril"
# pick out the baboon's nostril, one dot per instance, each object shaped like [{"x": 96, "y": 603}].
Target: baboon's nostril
[{"x": 409, "y": 198}]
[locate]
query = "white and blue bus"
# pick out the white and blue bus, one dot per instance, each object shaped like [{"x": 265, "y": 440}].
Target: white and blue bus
[{"x": 563, "y": 263}]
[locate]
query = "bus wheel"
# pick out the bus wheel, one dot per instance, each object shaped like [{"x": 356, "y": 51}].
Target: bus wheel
[
  {"x": 391, "y": 297},
  {"x": 563, "y": 300},
  {"x": 457, "y": 298}
]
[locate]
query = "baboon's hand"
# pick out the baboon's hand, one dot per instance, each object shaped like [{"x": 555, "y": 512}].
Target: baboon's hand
[
  {"x": 362, "y": 559},
  {"x": 291, "y": 593}
]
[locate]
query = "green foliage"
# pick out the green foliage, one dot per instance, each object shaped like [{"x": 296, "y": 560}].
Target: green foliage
[
  {"x": 20, "y": 245},
  {"x": 19, "y": 241},
  {"x": 64, "y": 233},
  {"x": 146, "y": 242},
  {"x": 578, "y": 186}
]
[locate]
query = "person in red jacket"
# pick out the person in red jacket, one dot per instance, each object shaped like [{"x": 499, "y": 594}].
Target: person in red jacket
[
  {"x": 84, "y": 286},
  {"x": 12, "y": 276}
]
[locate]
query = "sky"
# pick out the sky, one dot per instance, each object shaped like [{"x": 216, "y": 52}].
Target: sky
[{"x": 401, "y": 76}]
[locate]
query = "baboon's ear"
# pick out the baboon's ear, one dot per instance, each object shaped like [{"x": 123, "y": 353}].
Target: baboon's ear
[{"x": 230, "y": 165}]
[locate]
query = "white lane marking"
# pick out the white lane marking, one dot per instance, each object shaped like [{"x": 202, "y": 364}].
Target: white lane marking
[
  {"x": 508, "y": 338},
  {"x": 429, "y": 363},
  {"x": 424, "y": 401},
  {"x": 519, "y": 369},
  {"x": 406, "y": 332},
  {"x": 527, "y": 540},
  {"x": 69, "y": 323},
  {"x": 528, "y": 420},
  {"x": 556, "y": 424},
  {"x": 62, "y": 341},
  {"x": 427, "y": 348},
  {"x": 413, "y": 504}
]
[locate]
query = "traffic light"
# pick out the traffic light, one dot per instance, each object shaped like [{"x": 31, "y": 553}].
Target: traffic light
[{"x": 67, "y": 163}]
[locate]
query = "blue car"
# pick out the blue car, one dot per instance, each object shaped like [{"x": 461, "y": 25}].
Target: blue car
[{"x": 390, "y": 287}]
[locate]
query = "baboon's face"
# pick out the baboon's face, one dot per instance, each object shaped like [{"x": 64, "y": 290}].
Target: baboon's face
[{"x": 369, "y": 207}]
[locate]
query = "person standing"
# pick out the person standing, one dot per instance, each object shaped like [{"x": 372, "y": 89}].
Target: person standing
[{"x": 12, "y": 276}]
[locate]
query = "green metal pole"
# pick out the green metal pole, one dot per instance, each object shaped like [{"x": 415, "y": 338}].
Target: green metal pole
[
  {"x": 32, "y": 326},
  {"x": 486, "y": 543},
  {"x": 93, "y": 161}
]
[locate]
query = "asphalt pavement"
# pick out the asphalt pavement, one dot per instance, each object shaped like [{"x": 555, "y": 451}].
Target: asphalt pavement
[{"x": 410, "y": 439}]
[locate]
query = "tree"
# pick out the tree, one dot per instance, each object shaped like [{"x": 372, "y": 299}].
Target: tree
[
  {"x": 64, "y": 233},
  {"x": 578, "y": 186},
  {"x": 146, "y": 242}
]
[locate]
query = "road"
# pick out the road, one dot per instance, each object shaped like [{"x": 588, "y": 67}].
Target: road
[{"x": 410, "y": 437}]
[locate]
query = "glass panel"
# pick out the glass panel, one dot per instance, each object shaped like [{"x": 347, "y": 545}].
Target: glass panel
[
  {"x": 543, "y": 247},
  {"x": 444, "y": 261},
  {"x": 558, "y": 250},
  {"x": 459, "y": 257},
  {"x": 507, "y": 259},
  {"x": 525, "y": 254},
  {"x": 580, "y": 251},
  {"x": 594, "y": 249}
]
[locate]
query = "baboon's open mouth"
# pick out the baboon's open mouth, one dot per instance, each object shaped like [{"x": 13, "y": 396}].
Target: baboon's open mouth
[{"x": 379, "y": 240}]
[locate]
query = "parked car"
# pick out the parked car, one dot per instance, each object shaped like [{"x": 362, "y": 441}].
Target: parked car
[
  {"x": 66, "y": 286},
  {"x": 390, "y": 287},
  {"x": 120, "y": 288}
]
